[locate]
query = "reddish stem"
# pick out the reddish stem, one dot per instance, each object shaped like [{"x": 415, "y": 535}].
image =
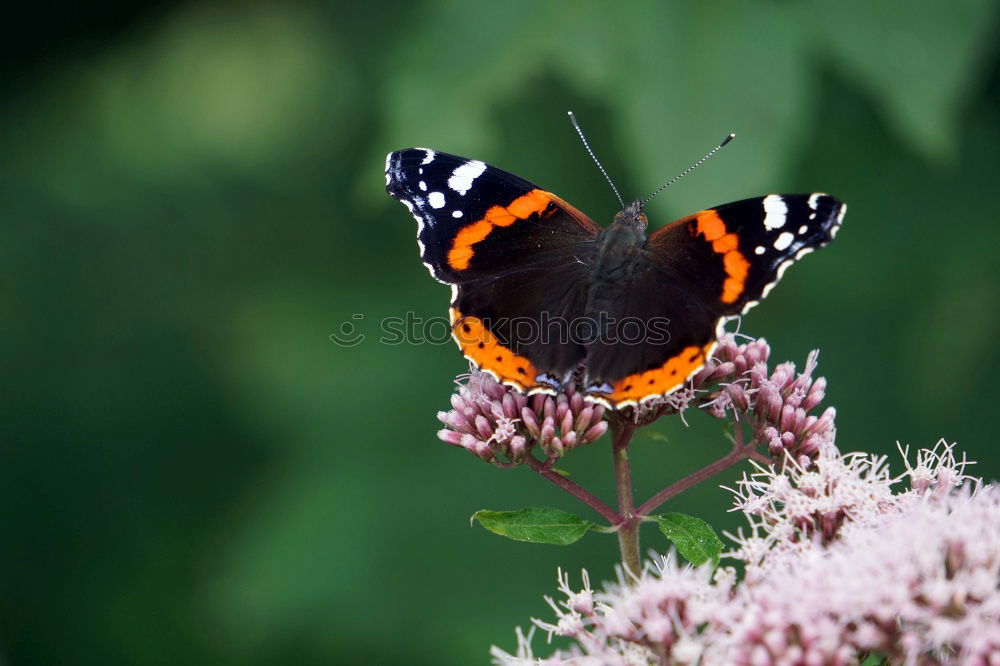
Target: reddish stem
[
  {"x": 740, "y": 452},
  {"x": 544, "y": 469}
]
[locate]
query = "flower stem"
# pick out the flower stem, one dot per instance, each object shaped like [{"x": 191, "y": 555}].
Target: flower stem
[
  {"x": 573, "y": 489},
  {"x": 740, "y": 452},
  {"x": 628, "y": 532}
]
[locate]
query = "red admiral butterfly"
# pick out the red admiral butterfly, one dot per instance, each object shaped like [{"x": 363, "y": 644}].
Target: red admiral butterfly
[{"x": 541, "y": 292}]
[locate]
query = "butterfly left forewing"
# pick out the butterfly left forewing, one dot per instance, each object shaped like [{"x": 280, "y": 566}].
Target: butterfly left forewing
[{"x": 514, "y": 254}]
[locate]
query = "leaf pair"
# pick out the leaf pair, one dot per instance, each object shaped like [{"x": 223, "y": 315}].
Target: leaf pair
[{"x": 694, "y": 539}]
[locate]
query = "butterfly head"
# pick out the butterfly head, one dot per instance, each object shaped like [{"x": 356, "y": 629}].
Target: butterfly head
[{"x": 632, "y": 216}]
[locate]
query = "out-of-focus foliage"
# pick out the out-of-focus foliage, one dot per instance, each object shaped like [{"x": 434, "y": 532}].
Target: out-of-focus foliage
[{"x": 191, "y": 202}]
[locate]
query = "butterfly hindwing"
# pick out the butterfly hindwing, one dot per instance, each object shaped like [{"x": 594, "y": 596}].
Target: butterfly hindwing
[{"x": 662, "y": 335}]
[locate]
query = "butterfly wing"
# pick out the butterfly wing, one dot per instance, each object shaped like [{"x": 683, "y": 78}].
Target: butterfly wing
[
  {"x": 517, "y": 258},
  {"x": 659, "y": 334},
  {"x": 731, "y": 256},
  {"x": 698, "y": 271}
]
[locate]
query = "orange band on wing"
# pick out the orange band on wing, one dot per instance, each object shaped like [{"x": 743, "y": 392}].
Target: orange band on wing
[
  {"x": 662, "y": 380},
  {"x": 710, "y": 225},
  {"x": 520, "y": 208},
  {"x": 737, "y": 267},
  {"x": 482, "y": 348}
]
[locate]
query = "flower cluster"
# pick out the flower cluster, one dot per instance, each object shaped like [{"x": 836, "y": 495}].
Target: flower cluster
[
  {"x": 793, "y": 508},
  {"x": 776, "y": 403},
  {"x": 501, "y": 425},
  {"x": 921, "y": 588},
  {"x": 843, "y": 560}
]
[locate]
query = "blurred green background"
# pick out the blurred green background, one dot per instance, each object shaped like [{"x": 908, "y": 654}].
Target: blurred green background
[{"x": 192, "y": 200}]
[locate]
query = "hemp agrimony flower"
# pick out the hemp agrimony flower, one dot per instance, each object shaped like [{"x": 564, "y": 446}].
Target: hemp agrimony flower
[
  {"x": 776, "y": 402},
  {"x": 839, "y": 558},
  {"x": 500, "y": 425},
  {"x": 768, "y": 408},
  {"x": 911, "y": 574}
]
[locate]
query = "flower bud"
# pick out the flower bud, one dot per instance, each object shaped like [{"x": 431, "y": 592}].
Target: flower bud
[{"x": 815, "y": 395}]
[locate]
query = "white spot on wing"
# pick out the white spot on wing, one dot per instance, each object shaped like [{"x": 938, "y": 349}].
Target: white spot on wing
[
  {"x": 775, "y": 211},
  {"x": 422, "y": 185},
  {"x": 783, "y": 241},
  {"x": 463, "y": 175},
  {"x": 436, "y": 200},
  {"x": 456, "y": 213},
  {"x": 428, "y": 156},
  {"x": 814, "y": 200},
  {"x": 840, "y": 219},
  {"x": 417, "y": 207},
  {"x": 804, "y": 228},
  {"x": 760, "y": 249}
]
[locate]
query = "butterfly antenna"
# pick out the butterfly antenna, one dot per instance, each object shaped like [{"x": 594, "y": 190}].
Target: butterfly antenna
[
  {"x": 689, "y": 169},
  {"x": 586, "y": 145}
]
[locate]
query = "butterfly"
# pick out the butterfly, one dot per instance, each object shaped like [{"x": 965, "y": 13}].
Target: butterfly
[{"x": 542, "y": 296}]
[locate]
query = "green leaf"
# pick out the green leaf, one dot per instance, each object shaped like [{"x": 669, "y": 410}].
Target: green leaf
[
  {"x": 875, "y": 659},
  {"x": 534, "y": 525},
  {"x": 695, "y": 539}
]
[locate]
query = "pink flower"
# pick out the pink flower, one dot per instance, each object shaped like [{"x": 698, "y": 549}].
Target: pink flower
[
  {"x": 736, "y": 384},
  {"x": 842, "y": 560},
  {"x": 501, "y": 425},
  {"x": 775, "y": 403},
  {"x": 918, "y": 586}
]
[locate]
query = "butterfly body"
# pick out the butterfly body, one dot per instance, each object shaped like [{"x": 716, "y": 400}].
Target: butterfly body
[
  {"x": 542, "y": 296},
  {"x": 620, "y": 247}
]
